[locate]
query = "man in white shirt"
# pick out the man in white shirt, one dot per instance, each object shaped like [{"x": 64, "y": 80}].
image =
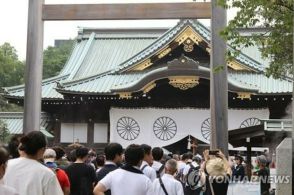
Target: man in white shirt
[
  {"x": 157, "y": 154},
  {"x": 185, "y": 158},
  {"x": 5, "y": 190},
  {"x": 147, "y": 161},
  {"x": 26, "y": 174},
  {"x": 128, "y": 180},
  {"x": 168, "y": 184}
]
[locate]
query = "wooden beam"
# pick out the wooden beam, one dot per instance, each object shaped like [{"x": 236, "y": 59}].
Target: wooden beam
[{"x": 132, "y": 11}]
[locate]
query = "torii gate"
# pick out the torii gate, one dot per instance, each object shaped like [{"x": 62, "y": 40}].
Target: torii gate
[{"x": 40, "y": 12}]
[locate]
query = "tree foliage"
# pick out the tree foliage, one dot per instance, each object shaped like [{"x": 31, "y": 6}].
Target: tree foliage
[
  {"x": 276, "y": 42},
  {"x": 4, "y": 133},
  {"x": 55, "y": 58},
  {"x": 11, "y": 73},
  {"x": 11, "y": 68}
]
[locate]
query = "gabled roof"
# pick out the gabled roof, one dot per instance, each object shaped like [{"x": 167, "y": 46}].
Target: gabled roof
[
  {"x": 170, "y": 35},
  {"x": 14, "y": 122}
]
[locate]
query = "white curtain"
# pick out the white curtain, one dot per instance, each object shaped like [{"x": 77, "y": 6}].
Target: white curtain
[{"x": 162, "y": 127}]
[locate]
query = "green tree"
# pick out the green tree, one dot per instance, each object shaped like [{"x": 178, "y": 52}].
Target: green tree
[
  {"x": 4, "y": 133},
  {"x": 11, "y": 73},
  {"x": 55, "y": 58},
  {"x": 276, "y": 43},
  {"x": 11, "y": 68}
]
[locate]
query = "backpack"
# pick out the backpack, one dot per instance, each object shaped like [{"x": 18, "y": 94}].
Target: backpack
[
  {"x": 159, "y": 171},
  {"x": 193, "y": 177}
]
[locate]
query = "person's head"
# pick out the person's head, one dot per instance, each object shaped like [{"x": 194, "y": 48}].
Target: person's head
[
  {"x": 13, "y": 146},
  {"x": 72, "y": 157},
  {"x": 176, "y": 157},
  {"x": 113, "y": 152},
  {"x": 216, "y": 167},
  {"x": 134, "y": 155},
  {"x": 197, "y": 158},
  {"x": 100, "y": 160},
  {"x": 4, "y": 156},
  {"x": 186, "y": 157},
  {"x": 49, "y": 155},
  {"x": 59, "y": 152},
  {"x": 171, "y": 166},
  {"x": 238, "y": 159},
  {"x": 157, "y": 153},
  {"x": 261, "y": 161},
  {"x": 33, "y": 144},
  {"x": 82, "y": 154},
  {"x": 147, "y": 153}
]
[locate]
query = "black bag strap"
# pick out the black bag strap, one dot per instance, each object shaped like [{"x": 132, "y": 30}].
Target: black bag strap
[
  {"x": 162, "y": 186},
  {"x": 143, "y": 167},
  {"x": 159, "y": 171}
]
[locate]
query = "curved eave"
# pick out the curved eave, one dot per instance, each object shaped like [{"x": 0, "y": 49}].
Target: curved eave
[
  {"x": 88, "y": 93},
  {"x": 22, "y": 98},
  {"x": 140, "y": 82},
  {"x": 47, "y": 92},
  {"x": 202, "y": 73}
]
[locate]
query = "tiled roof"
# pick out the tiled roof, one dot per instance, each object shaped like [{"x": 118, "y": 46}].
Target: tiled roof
[
  {"x": 48, "y": 89},
  {"x": 98, "y": 59},
  {"x": 264, "y": 85},
  {"x": 91, "y": 56},
  {"x": 108, "y": 83},
  {"x": 14, "y": 122}
]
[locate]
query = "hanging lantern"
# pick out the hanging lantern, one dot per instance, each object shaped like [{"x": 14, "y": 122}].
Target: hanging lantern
[{"x": 189, "y": 143}]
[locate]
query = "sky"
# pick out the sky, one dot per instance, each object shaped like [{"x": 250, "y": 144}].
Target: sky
[{"x": 14, "y": 14}]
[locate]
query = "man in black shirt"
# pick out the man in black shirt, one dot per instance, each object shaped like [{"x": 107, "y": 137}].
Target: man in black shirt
[
  {"x": 82, "y": 176},
  {"x": 113, "y": 154},
  {"x": 238, "y": 171},
  {"x": 263, "y": 174}
]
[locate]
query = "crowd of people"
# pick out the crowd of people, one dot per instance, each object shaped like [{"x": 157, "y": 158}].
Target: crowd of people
[{"x": 35, "y": 169}]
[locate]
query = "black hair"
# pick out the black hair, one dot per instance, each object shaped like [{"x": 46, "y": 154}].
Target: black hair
[
  {"x": 134, "y": 154},
  {"x": 100, "y": 160},
  {"x": 238, "y": 157},
  {"x": 72, "y": 157},
  {"x": 59, "y": 152},
  {"x": 32, "y": 142},
  {"x": 157, "y": 153},
  {"x": 13, "y": 146},
  {"x": 111, "y": 150},
  {"x": 146, "y": 148},
  {"x": 187, "y": 155},
  {"x": 82, "y": 152},
  {"x": 4, "y": 156}
]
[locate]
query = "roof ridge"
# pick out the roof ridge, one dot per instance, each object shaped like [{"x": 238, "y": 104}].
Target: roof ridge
[
  {"x": 84, "y": 54},
  {"x": 125, "y": 65}
]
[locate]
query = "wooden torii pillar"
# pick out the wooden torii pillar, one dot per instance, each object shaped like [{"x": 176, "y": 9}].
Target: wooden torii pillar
[
  {"x": 40, "y": 12},
  {"x": 218, "y": 81}
]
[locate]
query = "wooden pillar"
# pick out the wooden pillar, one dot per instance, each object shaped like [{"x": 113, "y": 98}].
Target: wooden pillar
[
  {"x": 57, "y": 131},
  {"x": 90, "y": 133},
  {"x": 249, "y": 163},
  {"x": 218, "y": 81},
  {"x": 34, "y": 63}
]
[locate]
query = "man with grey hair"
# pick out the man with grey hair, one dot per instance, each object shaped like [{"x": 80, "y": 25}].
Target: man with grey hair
[{"x": 167, "y": 184}]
